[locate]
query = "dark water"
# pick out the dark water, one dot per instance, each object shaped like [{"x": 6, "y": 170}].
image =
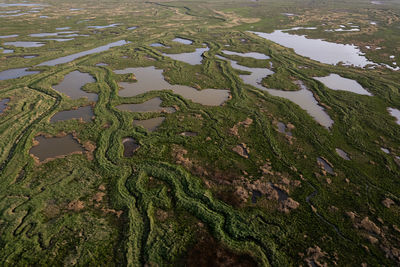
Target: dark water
[{"x": 130, "y": 146}]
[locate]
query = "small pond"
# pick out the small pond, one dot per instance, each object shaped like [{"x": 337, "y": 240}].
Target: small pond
[
  {"x": 183, "y": 41},
  {"x": 342, "y": 154},
  {"x": 104, "y": 27},
  {"x": 130, "y": 146},
  {"x": 84, "y": 113},
  {"x": 327, "y": 167},
  {"x": 3, "y": 104},
  {"x": 192, "y": 58},
  {"x": 25, "y": 44},
  {"x": 15, "y": 73},
  {"x": 283, "y": 129},
  {"x": 6, "y": 51},
  {"x": 150, "y": 124},
  {"x": 157, "y": 45},
  {"x": 317, "y": 49},
  {"x": 336, "y": 82},
  {"x": 72, "y": 84},
  {"x": 53, "y": 147},
  {"x": 8, "y": 36}
]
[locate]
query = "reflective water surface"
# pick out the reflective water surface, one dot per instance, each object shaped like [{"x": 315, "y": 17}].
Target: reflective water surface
[
  {"x": 336, "y": 82},
  {"x": 151, "y": 79},
  {"x": 72, "y": 84},
  {"x": 55, "y": 146},
  {"x": 84, "y": 113}
]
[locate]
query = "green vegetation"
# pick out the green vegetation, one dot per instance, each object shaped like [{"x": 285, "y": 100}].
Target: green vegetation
[{"x": 188, "y": 200}]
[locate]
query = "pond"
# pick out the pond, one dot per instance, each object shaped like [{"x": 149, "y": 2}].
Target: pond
[
  {"x": 342, "y": 154},
  {"x": 150, "y": 124},
  {"x": 336, "y": 82},
  {"x": 49, "y": 34},
  {"x": 283, "y": 129},
  {"x": 151, "y": 79},
  {"x": 10, "y": 11},
  {"x": 13, "y": 15},
  {"x": 53, "y": 147},
  {"x": 60, "y": 39},
  {"x": 157, "y": 45},
  {"x": 8, "y": 36},
  {"x": 130, "y": 146},
  {"x": 24, "y": 44},
  {"x": 84, "y": 113},
  {"x": 104, "y": 27},
  {"x": 3, "y": 104},
  {"x": 192, "y": 58},
  {"x": 72, "y": 84},
  {"x": 183, "y": 41},
  {"x": 6, "y": 51},
  {"x": 327, "y": 167},
  {"x": 317, "y": 49},
  {"x": 15, "y": 73}
]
